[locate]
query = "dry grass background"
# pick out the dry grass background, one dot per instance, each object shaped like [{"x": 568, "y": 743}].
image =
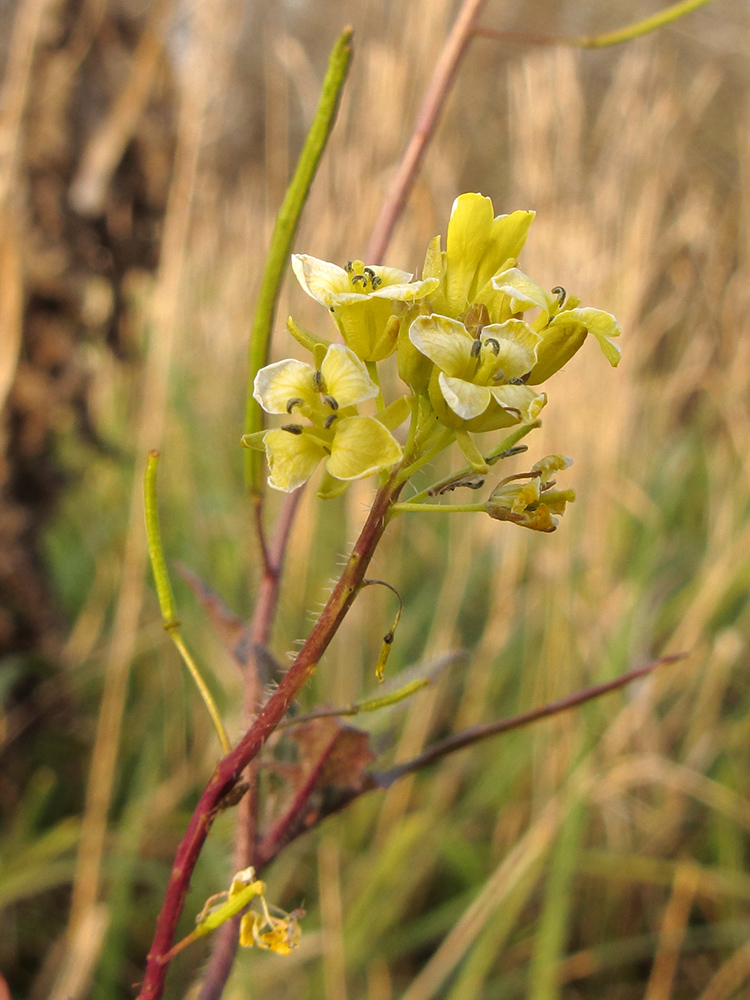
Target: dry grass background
[{"x": 599, "y": 854}]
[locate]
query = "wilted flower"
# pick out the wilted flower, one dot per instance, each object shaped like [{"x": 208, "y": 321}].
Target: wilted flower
[
  {"x": 532, "y": 504},
  {"x": 283, "y": 933},
  {"x": 352, "y": 447},
  {"x": 361, "y": 300}
]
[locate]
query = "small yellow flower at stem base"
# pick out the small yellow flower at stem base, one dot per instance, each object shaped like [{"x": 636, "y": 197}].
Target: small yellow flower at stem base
[{"x": 283, "y": 933}]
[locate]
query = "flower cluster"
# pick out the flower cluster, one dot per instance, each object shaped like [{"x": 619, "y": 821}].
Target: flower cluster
[{"x": 475, "y": 338}]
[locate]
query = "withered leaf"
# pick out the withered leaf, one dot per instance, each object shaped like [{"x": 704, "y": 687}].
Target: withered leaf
[{"x": 331, "y": 771}]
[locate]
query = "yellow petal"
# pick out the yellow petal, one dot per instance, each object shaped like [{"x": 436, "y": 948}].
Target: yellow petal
[
  {"x": 276, "y": 384},
  {"x": 250, "y": 924},
  {"x": 292, "y": 458},
  {"x": 361, "y": 447},
  {"x": 434, "y": 261},
  {"x": 516, "y": 345},
  {"x": 346, "y": 377},
  {"x": 444, "y": 341},
  {"x": 520, "y": 398},
  {"x": 322, "y": 281},
  {"x": 521, "y": 292},
  {"x": 602, "y": 325},
  {"x": 551, "y": 464},
  {"x": 464, "y": 398},
  {"x": 507, "y": 237},
  {"x": 469, "y": 230}
]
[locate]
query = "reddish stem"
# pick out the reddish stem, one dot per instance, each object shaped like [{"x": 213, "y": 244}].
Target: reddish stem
[
  {"x": 229, "y": 769},
  {"x": 226, "y": 938}
]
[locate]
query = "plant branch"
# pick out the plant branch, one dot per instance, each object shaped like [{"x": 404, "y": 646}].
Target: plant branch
[
  {"x": 166, "y": 596},
  {"x": 281, "y": 835},
  {"x": 427, "y": 119},
  {"x": 475, "y": 734},
  {"x": 626, "y": 34}
]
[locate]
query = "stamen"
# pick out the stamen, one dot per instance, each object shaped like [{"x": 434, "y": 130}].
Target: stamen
[{"x": 561, "y": 294}]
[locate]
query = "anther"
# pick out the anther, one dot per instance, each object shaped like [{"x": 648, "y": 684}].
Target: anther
[
  {"x": 519, "y": 381},
  {"x": 329, "y": 420},
  {"x": 494, "y": 344},
  {"x": 295, "y": 401},
  {"x": 330, "y": 401},
  {"x": 561, "y": 294},
  {"x": 319, "y": 383},
  {"x": 359, "y": 277},
  {"x": 476, "y": 348},
  {"x": 292, "y": 428}
]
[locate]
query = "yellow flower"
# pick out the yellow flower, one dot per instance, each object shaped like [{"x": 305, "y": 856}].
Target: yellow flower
[
  {"x": 532, "y": 504},
  {"x": 352, "y": 447},
  {"x": 478, "y": 381},
  {"x": 565, "y": 334},
  {"x": 361, "y": 300},
  {"x": 478, "y": 247},
  {"x": 480, "y": 285}
]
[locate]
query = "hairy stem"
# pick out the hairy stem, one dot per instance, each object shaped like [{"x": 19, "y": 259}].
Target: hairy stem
[
  {"x": 228, "y": 770},
  {"x": 227, "y": 937}
]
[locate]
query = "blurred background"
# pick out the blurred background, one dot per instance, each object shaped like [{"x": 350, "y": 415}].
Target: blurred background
[{"x": 144, "y": 150}]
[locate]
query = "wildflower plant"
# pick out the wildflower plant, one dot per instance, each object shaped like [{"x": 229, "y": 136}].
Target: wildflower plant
[
  {"x": 475, "y": 337},
  {"x": 476, "y": 343}
]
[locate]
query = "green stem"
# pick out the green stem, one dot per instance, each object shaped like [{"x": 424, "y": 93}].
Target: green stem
[
  {"x": 174, "y": 634},
  {"x": 281, "y": 241},
  {"x": 495, "y": 455},
  {"x": 166, "y": 596},
  {"x": 439, "y": 443},
  {"x": 626, "y": 34},
  {"x": 442, "y": 508},
  {"x": 643, "y": 27}
]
